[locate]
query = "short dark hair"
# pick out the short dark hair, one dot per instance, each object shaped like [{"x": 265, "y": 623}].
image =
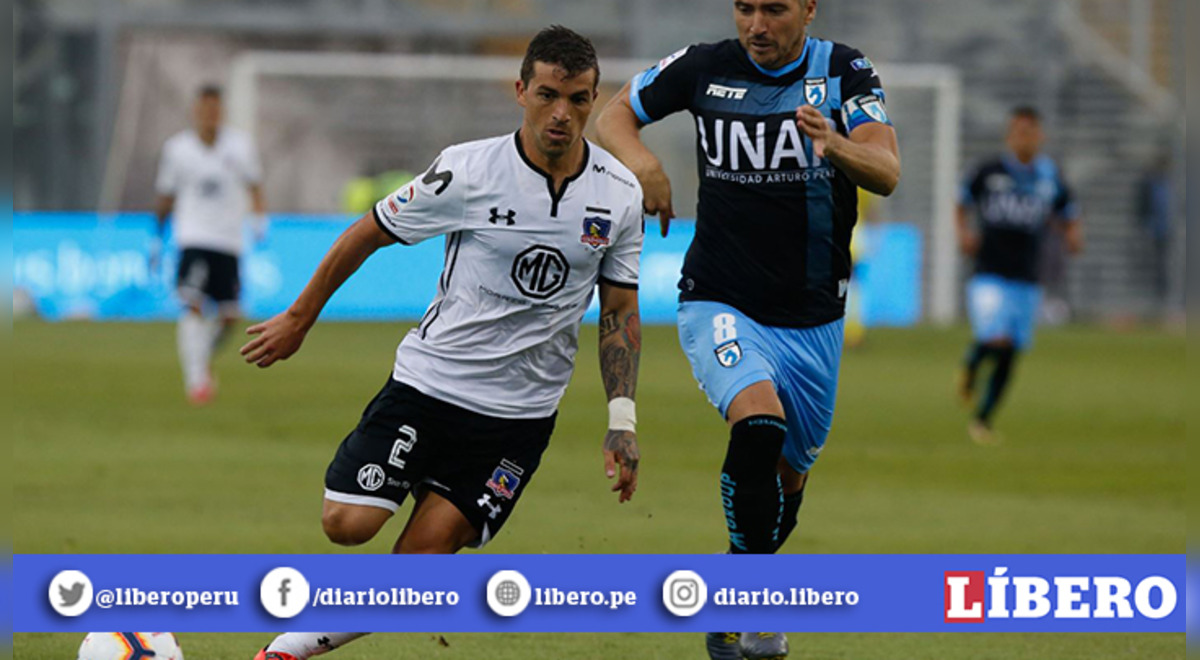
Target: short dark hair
[
  {"x": 209, "y": 91},
  {"x": 561, "y": 47},
  {"x": 1026, "y": 112}
]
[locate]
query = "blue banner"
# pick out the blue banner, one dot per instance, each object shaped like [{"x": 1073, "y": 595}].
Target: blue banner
[
  {"x": 84, "y": 266},
  {"x": 601, "y": 593}
]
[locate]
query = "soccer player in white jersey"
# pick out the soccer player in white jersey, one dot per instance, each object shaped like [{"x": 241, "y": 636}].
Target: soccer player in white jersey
[
  {"x": 533, "y": 222},
  {"x": 203, "y": 178}
]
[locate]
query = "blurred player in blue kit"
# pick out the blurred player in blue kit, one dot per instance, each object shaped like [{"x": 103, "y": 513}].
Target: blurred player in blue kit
[
  {"x": 1015, "y": 199},
  {"x": 788, "y": 127}
]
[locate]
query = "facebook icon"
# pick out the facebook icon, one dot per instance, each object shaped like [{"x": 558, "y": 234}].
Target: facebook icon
[{"x": 284, "y": 592}]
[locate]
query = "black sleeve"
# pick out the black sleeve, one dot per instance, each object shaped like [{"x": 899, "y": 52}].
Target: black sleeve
[
  {"x": 972, "y": 188},
  {"x": 666, "y": 87},
  {"x": 1065, "y": 206}
]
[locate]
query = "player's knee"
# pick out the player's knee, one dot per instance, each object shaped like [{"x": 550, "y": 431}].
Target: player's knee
[
  {"x": 760, "y": 399},
  {"x": 344, "y": 528}
]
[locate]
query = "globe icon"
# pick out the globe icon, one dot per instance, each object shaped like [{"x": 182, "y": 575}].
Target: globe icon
[{"x": 508, "y": 593}]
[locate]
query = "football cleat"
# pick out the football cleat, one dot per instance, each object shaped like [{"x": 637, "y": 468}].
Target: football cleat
[
  {"x": 264, "y": 654},
  {"x": 982, "y": 434},
  {"x": 201, "y": 396},
  {"x": 723, "y": 646},
  {"x": 764, "y": 646}
]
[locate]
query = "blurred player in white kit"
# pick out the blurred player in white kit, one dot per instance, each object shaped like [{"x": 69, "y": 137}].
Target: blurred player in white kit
[{"x": 204, "y": 176}]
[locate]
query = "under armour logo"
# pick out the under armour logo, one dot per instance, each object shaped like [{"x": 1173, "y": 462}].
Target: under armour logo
[
  {"x": 485, "y": 502},
  {"x": 510, "y": 217}
]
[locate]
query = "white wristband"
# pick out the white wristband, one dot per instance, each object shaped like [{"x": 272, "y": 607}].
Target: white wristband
[{"x": 622, "y": 414}]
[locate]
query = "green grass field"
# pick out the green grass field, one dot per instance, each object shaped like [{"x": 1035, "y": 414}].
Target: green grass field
[
  {"x": 107, "y": 451},
  {"x": 238, "y": 646}
]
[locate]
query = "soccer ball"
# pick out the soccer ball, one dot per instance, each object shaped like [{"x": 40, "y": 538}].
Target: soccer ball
[{"x": 130, "y": 646}]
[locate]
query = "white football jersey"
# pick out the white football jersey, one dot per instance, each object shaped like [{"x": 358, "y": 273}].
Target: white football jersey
[
  {"x": 521, "y": 266},
  {"x": 209, "y": 185}
]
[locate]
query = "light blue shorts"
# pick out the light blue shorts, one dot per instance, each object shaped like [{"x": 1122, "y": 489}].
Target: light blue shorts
[
  {"x": 730, "y": 352},
  {"x": 1001, "y": 308}
]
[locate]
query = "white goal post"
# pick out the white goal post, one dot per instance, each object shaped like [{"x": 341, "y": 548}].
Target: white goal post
[{"x": 925, "y": 100}]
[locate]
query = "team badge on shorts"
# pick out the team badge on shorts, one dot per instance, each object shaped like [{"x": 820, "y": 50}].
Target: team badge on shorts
[
  {"x": 595, "y": 232},
  {"x": 370, "y": 477},
  {"x": 505, "y": 479},
  {"x": 816, "y": 91},
  {"x": 729, "y": 354}
]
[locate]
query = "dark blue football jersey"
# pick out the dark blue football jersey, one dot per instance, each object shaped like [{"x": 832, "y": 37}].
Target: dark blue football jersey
[
  {"x": 774, "y": 222},
  {"x": 1014, "y": 206}
]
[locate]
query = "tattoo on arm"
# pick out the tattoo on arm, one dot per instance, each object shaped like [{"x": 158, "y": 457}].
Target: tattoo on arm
[
  {"x": 624, "y": 443},
  {"x": 620, "y": 352},
  {"x": 608, "y": 325}
]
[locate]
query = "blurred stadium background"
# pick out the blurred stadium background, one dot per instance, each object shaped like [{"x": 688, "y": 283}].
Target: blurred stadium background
[
  {"x": 101, "y": 83},
  {"x": 106, "y": 447}
]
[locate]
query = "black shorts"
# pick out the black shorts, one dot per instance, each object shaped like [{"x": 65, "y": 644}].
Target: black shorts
[
  {"x": 407, "y": 440},
  {"x": 208, "y": 274}
]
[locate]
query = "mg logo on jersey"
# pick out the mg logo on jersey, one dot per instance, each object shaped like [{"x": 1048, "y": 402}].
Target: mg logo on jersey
[
  {"x": 540, "y": 272},
  {"x": 974, "y": 597},
  {"x": 816, "y": 91}
]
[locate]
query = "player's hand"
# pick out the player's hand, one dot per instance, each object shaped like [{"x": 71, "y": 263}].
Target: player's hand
[
  {"x": 276, "y": 339},
  {"x": 817, "y": 127},
  {"x": 621, "y": 451},
  {"x": 656, "y": 189},
  {"x": 968, "y": 243}
]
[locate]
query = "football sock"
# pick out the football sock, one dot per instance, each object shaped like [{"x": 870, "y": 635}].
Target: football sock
[
  {"x": 791, "y": 511},
  {"x": 220, "y": 332},
  {"x": 1005, "y": 357},
  {"x": 975, "y": 357},
  {"x": 194, "y": 341},
  {"x": 751, "y": 492},
  {"x": 305, "y": 645}
]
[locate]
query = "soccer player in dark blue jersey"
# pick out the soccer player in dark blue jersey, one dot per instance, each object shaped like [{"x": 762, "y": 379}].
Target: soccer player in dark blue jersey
[
  {"x": 788, "y": 127},
  {"x": 1015, "y": 199}
]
